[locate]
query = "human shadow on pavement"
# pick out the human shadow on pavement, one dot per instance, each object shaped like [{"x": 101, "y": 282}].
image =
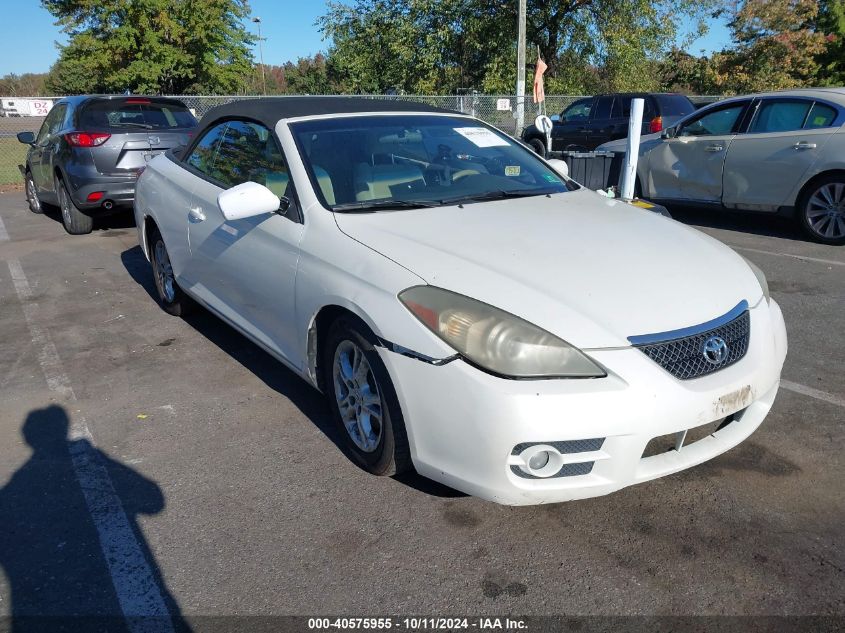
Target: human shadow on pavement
[
  {"x": 273, "y": 373},
  {"x": 53, "y": 552}
]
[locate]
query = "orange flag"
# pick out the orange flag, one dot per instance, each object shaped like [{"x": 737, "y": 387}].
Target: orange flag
[{"x": 539, "y": 91}]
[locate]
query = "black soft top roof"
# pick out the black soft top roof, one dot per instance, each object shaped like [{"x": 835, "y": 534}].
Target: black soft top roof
[{"x": 268, "y": 110}]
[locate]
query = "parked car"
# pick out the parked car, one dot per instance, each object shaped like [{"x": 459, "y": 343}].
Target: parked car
[
  {"x": 778, "y": 152},
  {"x": 86, "y": 157},
  {"x": 465, "y": 309},
  {"x": 587, "y": 123}
]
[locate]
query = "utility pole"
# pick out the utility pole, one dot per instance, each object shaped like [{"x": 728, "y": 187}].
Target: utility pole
[
  {"x": 257, "y": 20},
  {"x": 520, "y": 70}
]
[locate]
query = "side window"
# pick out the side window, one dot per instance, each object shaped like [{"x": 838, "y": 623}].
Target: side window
[
  {"x": 248, "y": 152},
  {"x": 621, "y": 107},
  {"x": 52, "y": 124},
  {"x": 202, "y": 156},
  {"x": 714, "y": 123},
  {"x": 821, "y": 115},
  {"x": 603, "y": 109},
  {"x": 777, "y": 115},
  {"x": 578, "y": 111}
]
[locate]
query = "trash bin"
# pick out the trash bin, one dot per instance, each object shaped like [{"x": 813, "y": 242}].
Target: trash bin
[{"x": 594, "y": 170}]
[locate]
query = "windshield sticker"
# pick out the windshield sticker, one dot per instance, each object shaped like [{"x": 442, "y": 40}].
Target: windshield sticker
[
  {"x": 481, "y": 137},
  {"x": 511, "y": 170},
  {"x": 550, "y": 178}
]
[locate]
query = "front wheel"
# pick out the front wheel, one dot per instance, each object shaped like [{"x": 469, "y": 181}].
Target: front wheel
[
  {"x": 74, "y": 221},
  {"x": 32, "y": 194},
  {"x": 538, "y": 146},
  {"x": 171, "y": 297},
  {"x": 821, "y": 210},
  {"x": 363, "y": 401}
]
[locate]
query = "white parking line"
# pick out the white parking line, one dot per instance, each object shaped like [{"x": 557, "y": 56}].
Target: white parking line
[
  {"x": 133, "y": 580},
  {"x": 832, "y": 262},
  {"x": 818, "y": 394}
]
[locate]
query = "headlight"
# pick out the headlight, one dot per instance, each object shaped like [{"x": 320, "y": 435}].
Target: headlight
[
  {"x": 495, "y": 340},
  {"x": 761, "y": 278}
]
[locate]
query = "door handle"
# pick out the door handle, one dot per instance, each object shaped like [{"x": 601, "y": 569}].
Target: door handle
[
  {"x": 804, "y": 145},
  {"x": 196, "y": 214},
  {"x": 714, "y": 148}
]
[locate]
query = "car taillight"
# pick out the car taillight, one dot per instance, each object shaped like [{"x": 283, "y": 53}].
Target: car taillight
[
  {"x": 137, "y": 101},
  {"x": 656, "y": 124},
  {"x": 87, "y": 139}
]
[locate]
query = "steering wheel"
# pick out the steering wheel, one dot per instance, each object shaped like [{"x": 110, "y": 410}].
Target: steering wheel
[{"x": 463, "y": 173}]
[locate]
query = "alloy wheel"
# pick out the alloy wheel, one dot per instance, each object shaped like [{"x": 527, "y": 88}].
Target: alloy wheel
[
  {"x": 357, "y": 395},
  {"x": 32, "y": 196},
  {"x": 64, "y": 203},
  {"x": 164, "y": 273},
  {"x": 825, "y": 211}
]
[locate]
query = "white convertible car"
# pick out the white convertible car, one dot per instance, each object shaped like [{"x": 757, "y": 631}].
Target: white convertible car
[{"x": 467, "y": 310}]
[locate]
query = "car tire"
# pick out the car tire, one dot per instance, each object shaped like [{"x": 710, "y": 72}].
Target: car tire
[
  {"x": 171, "y": 297},
  {"x": 821, "y": 210},
  {"x": 364, "y": 405},
  {"x": 32, "y": 194},
  {"x": 538, "y": 146},
  {"x": 74, "y": 221}
]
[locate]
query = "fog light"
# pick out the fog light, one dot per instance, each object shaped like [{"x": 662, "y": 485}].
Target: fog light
[
  {"x": 94, "y": 196},
  {"x": 538, "y": 460}
]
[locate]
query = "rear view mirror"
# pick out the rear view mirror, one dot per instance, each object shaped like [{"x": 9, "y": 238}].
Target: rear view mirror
[
  {"x": 27, "y": 138},
  {"x": 246, "y": 200},
  {"x": 559, "y": 166}
]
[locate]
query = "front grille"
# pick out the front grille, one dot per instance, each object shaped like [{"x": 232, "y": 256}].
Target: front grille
[{"x": 684, "y": 357}]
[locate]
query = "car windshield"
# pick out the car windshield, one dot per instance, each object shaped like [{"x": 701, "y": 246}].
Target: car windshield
[{"x": 360, "y": 163}]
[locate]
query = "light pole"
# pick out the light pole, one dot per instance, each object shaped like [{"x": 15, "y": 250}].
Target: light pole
[
  {"x": 520, "y": 69},
  {"x": 257, "y": 20}
]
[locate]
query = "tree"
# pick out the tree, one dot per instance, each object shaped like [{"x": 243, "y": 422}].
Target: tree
[
  {"x": 153, "y": 46},
  {"x": 831, "y": 23},
  {"x": 426, "y": 46},
  {"x": 25, "y": 85},
  {"x": 309, "y": 75}
]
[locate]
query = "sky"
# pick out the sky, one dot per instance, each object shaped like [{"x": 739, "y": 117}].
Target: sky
[{"x": 28, "y": 34}]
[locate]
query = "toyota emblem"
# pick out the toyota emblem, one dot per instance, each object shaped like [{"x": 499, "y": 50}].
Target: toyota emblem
[{"x": 715, "y": 350}]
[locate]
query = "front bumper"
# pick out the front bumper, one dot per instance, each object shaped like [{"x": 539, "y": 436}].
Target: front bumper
[{"x": 464, "y": 425}]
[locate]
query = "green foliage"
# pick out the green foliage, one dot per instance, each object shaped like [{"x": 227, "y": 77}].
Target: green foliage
[
  {"x": 440, "y": 46},
  {"x": 831, "y": 23},
  {"x": 151, "y": 46},
  {"x": 776, "y": 45}
]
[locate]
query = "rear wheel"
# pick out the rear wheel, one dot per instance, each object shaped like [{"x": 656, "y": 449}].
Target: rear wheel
[
  {"x": 171, "y": 297},
  {"x": 821, "y": 210},
  {"x": 363, "y": 400},
  {"x": 74, "y": 221},
  {"x": 32, "y": 194}
]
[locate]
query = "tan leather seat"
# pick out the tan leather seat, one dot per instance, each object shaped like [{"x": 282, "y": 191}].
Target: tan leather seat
[{"x": 373, "y": 182}]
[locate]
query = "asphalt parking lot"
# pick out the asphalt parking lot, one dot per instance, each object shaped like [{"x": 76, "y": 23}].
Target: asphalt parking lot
[{"x": 240, "y": 502}]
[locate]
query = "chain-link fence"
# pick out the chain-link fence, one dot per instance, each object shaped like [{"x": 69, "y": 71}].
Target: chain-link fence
[{"x": 498, "y": 110}]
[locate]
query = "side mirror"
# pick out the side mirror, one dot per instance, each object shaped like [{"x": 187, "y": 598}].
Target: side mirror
[
  {"x": 669, "y": 132},
  {"x": 27, "y": 138},
  {"x": 559, "y": 166},
  {"x": 246, "y": 200}
]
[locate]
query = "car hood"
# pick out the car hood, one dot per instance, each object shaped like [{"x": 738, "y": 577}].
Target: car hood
[{"x": 589, "y": 269}]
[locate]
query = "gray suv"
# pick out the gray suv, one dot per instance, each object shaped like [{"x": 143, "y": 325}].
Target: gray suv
[{"x": 90, "y": 150}]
